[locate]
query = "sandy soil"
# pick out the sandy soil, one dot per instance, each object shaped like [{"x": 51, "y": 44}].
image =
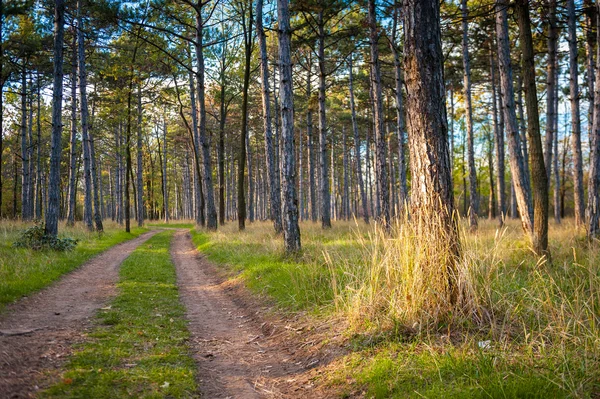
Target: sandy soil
[
  {"x": 36, "y": 333},
  {"x": 242, "y": 348}
]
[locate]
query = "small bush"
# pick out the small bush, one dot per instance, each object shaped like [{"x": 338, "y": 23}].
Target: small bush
[{"x": 36, "y": 238}]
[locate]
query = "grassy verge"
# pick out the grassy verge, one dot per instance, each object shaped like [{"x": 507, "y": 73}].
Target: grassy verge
[
  {"x": 256, "y": 255},
  {"x": 23, "y": 271},
  {"x": 139, "y": 350},
  {"x": 534, "y": 331}
]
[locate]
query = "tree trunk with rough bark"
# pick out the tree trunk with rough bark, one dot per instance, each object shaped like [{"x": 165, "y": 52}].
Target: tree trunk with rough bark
[
  {"x": 87, "y": 164},
  {"x": 380, "y": 142},
  {"x": 53, "y": 209},
  {"x": 575, "y": 115},
  {"x": 361, "y": 183},
  {"x": 427, "y": 128},
  {"x": 550, "y": 86},
  {"x": 71, "y": 189},
  {"x": 536, "y": 153},
  {"x": 207, "y": 178},
  {"x": 473, "y": 200},
  {"x": 291, "y": 231},
  {"x": 517, "y": 162},
  {"x": 593, "y": 206},
  {"x": 324, "y": 181}
]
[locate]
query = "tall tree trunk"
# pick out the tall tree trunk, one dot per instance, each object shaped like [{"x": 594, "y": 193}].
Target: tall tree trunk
[
  {"x": 517, "y": 163},
  {"x": 498, "y": 145},
  {"x": 53, "y": 209},
  {"x": 291, "y": 231},
  {"x": 251, "y": 190},
  {"x": 324, "y": 181},
  {"x": 550, "y": 86},
  {"x": 71, "y": 188},
  {"x": 198, "y": 195},
  {"x": 593, "y": 206},
  {"x": 403, "y": 190},
  {"x": 140, "y": 181},
  {"x": 555, "y": 162},
  {"x": 432, "y": 192},
  {"x": 538, "y": 169},
  {"x": 24, "y": 148},
  {"x": 380, "y": 142},
  {"x": 473, "y": 200},
  {"x": 38, "y": 168},
  {"x": 590, "y": 42},
  {"x": 361, "y": 183},
  {"x": 346, "y": 169},
  {"x": 87, "y": 167},
  {"x": 207, "y": 178},
  {"x": 242, "y": 157},
  {"x": 575, "y": 115},
  {"x": 163, "y": 162},
  {"x": 221, "y": 148},
  {"x": 312, "y": 184}
]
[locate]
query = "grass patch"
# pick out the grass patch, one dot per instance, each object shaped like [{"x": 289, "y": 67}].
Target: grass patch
[
  {"x": 140, "y": 349},
  {"x": 540, "y": 317},
  {"x": 257, "y": 256},
  {"x": 24, "y": 271}
]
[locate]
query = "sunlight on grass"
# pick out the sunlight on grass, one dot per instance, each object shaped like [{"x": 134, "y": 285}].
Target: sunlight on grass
[
  {"x": 531, "y": 329},
  {"x": 23, "y": 271}
]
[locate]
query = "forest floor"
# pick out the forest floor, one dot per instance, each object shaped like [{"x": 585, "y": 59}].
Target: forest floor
[
  {"x": 37, "y": 333},
  {"x": 153, "y": 318},
  {"x": 183, "y": 313}
]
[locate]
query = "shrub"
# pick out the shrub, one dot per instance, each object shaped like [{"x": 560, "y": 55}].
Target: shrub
[{"x": 36, "y": 238}]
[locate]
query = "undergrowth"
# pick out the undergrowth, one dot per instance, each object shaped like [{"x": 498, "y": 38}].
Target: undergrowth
[
  {"x": 527, "y": 327},
  {"x": 25, "y": 270}
]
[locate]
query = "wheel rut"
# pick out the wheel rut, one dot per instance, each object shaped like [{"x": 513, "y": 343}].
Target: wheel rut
[
  {"x": 238, "y": 352},
  {"x": 37, "y": 332}
]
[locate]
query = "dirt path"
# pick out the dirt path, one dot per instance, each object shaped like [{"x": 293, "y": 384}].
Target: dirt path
[
  {"x": 240, "y": 352},
  {"x": 37, "y": 332}
]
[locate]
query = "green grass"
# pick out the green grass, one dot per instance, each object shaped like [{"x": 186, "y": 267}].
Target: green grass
[
  {"x": 257, "y": 256},
  {"x": 24, "y": 271},
  {"x": 541, "y": 318},
  {"x": 139, "y": 350}
]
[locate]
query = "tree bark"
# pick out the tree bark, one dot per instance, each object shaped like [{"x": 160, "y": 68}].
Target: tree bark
[
  {"x": 361, "y": 183},
  {"x": 498, "y": 145},
  {"x": 403, "y": 190},
  {"x": 575, "y": 115},
  {"x": 71, "y": 189},
  {"x": 207, "y": 185},
  {"x": 550, "y": 86},
  {"x": 312, "y": 184},
  {"x": 53, "y": 209},
  {"x": 432, "y": 192},
  {"x": 291, "y": 231},
  {"x": 274, "y": 187},
  {"x": 536, "y": 153},
  {"x": 517, "y": 163},
  {"x": 473, "y": 200},
  {"x": 380, "y": 142},
  {"x": 140, "y": 176},
  {"x": 324, "y": 181},
  {"x": 87, "y": 167},
  {"x": 243, "y": 135},
  {"x": 593, "y": 206}
]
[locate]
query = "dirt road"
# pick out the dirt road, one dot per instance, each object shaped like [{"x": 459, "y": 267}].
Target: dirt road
[
  {"x": 240, "y": 351},
  {"x": 36, "y": 333}
]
